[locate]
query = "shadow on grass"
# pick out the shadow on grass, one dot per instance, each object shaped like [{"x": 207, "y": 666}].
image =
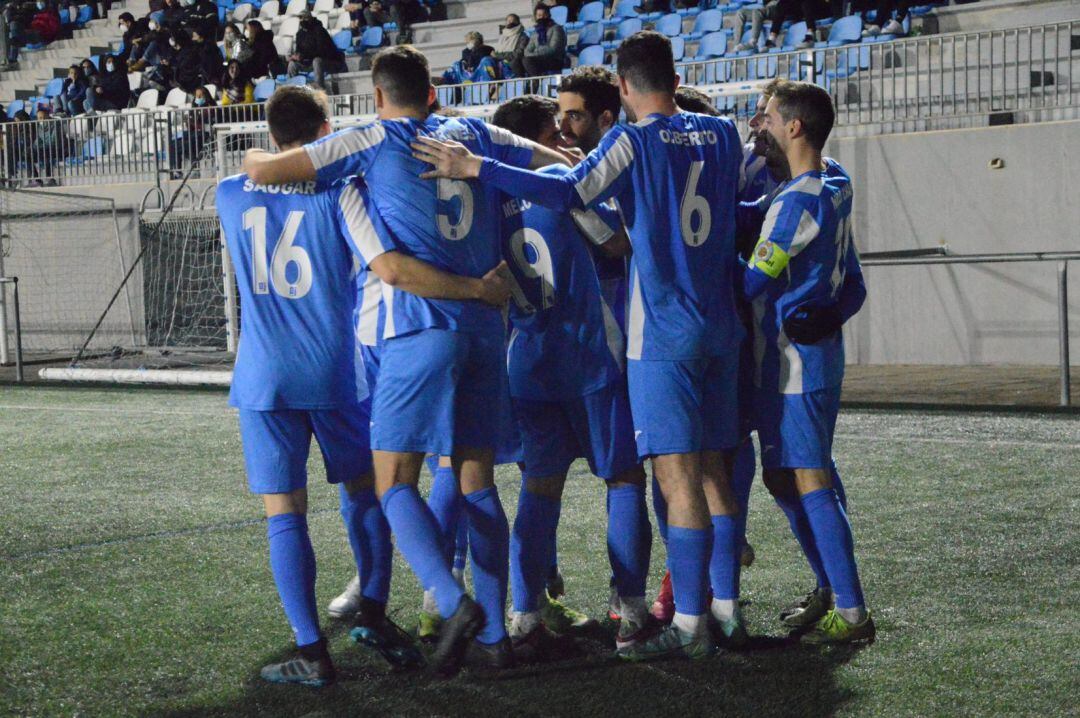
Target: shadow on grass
[{"x": 775, "y": 676}]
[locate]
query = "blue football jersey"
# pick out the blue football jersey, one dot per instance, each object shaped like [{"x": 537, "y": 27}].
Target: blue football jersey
[
  {"x": 452, "y": 225},
  {"x": 675, "y": 181},
  {"x": 294, "y": 274},
  {"x": 806, "y": 247},
  {"x": 564, "y": 341},
  {"x": 755, "y": 179}
]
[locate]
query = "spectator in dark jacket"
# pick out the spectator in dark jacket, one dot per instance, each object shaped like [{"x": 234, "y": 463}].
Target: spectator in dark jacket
[
  {"x": 264, "y": 58},
  {"x": 186, "y": 63},
  {"x": 406, "y": 13},
  {"x": 476, "y": 64},
  {"x": 172, "y": 15},
  {"x": 46, "y": 23},
  {"x": 210, "y": 60},
  {"x": 149, "y": 48},
  {"x": 71, "y": 98},
  {"x": 111, "y": 92},
  {"x": 546, "y": 52},
  {"x": 375, "y": 15},
  {"x": 201, "y": 16},
  {"x": 510, "y": 47},
  {"x": 134, "y": 33},
  {"x": 315, "y": 51},
  {"x": 196, "y": 132}
]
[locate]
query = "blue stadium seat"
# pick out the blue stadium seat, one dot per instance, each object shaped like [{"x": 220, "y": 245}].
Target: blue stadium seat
[
  {"x": 343, "y": 41},
  {"x": 54, "y": 88},
  {"x": 848, "y": 62},
  {"x": 96, "y": 60},
  {"x": 708, "y": 21},
  {"x": 678, "y": 48},
  {"x": 793, "y": 35},
  {"x": 623, "y": 10},
  {"x": 560, "y": 14},
  {"x": 86, "y": 14},
  {"x": 670, "y": 25},
  {"x": 297, "y": 80},
  {"x": 591, "y": 34},
  {"x": 156, "y": 16},
  {"x": 844, "y": 31},
  {"x": 589, "y": 12},
  {"x": 592, "y": 55},
  {"x": 626, "y": 28},
  {"x": 717, "y": 72},
  {"x": 713, "y": 45},
  {"x": 371, "y": 39},
  {"x": 762, "y": 68},
  {"x": 14, "y": 107},
  {"x": 264, "y": 89}
]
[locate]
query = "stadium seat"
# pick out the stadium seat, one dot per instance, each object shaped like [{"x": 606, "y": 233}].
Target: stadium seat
[
  {"x": 708, "y": 21},
  {"x": 96, "y": 60},
  {"x": 289, "y": 27},
  {"x": 670, "y": 25},
  {"x": 323, "y": 6},
  {"x": 134, "y": 81},
  {"x": 592, "y": 55},
  {"x": 54, "y": 88},
  {"x": 793, "y": 35},
  {"x": 560, "y": 14},
  {"x": 14, "y": 107},
  {"x": 86, "y": 14},
  {"x": 156, "y": 16},
  {"x": 713, "y": 45},
  {"x": 623, "y": 9},
  {"x": 589, "y": 12},
  {"x": 264, "y": 89},
  {"x": 295, "y": 7},
  {"x": 297, "y": 80},
  {"x": 242, "y": 12},
  {"x": 148, "y": 99},
  {"x": 343, "y": 41},
  {"x": 762, "y": 67},
  {"x": 284, "y": 44},
  {"x": 844, "y": 31},
  {"x": 678, "y": 48},
  {"x": 176, "y": 98},
  {"x": 371, "y": 39},
  {"x": 269, "y": 10},
  {"x": 626, "y": 28},
  {"x": 591, "y": 34},
  {"x": 343, "y": 22}
]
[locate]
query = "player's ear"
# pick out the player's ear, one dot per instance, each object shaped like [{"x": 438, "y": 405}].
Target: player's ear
[
  {"x": 430, "y": 95},
  {"x": 678, "y": 81},
  {"x": 624, "y": 89},
  {"x": 324, "y": 129},
  {"x": 606, "y": 120},
  {"x": 380, "y": 99}
]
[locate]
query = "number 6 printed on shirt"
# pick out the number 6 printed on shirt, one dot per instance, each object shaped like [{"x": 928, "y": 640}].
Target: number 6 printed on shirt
[
  {"x": 285, "y": 253},
  {"x": 694, "y": 203}
]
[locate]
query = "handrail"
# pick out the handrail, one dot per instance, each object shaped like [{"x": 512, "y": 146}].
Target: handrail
[{"x": 1062, "y": 258}]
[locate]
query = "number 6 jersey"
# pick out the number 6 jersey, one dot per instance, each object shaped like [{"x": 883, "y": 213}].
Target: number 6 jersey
[{"x": 290, "y": 247}]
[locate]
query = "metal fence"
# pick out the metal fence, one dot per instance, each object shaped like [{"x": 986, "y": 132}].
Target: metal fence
[{"x": 934, "y": 82}]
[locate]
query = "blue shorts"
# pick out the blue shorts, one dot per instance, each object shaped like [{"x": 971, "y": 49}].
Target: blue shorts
[
  {"x": 597, "y": 426},
  {"x": 436, "y": 390},
  {"x": 685, "y": 406},
  {"x": 368, "y": 367},
  {"x": 508, "y": 447},
  {"x": 276, "y": 446},
  {"x": 796, "y": 430}
]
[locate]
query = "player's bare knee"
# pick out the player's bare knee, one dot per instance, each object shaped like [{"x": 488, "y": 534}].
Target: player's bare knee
[
  {"x": 364, "y": 483},
  {"x": 550, "y": 487},
  {"x": 294, "y": 502},
  {"x": 475, "y": 468},
  {"x": 810, "y": 480},
  {"x": 780, "y": 483},
  {"x": 630, "y": 477},
  {"x": 393, "y": 468}
]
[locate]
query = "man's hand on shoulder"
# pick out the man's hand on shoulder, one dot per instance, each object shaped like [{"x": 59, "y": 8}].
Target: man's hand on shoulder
[{"x": 450, "y": 159}]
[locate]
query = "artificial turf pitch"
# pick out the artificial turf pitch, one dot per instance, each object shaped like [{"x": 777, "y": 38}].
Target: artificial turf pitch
[{"x": 134, "y": 578}]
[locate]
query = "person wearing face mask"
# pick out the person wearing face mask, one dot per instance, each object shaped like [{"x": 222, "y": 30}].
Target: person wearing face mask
[
  {"x": 476, "y": 63},
  {"x": 546, "y": 52},
  {"x": 510, "y": 47},
  {"x": 112, "y": 91},
  {"x": 315, "y": 51},
  {"x": 43, "y": 28},
  {"x": 186, "y": 63},
  {"x": 135, "y": 32},
  {"x": 188, "y": 145},
  {"x": 71, "y": 98},
  {"x": 236, "y": 46}
]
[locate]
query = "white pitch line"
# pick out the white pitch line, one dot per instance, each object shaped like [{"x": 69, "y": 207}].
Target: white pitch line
[
  {"x": 959, "y": 441},
  {"x": 117, "y": 410}
]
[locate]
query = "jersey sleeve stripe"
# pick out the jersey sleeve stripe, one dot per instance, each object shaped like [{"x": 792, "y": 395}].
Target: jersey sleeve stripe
[
  {"x": 615, "y": 160},
  {"x": 360, "y": 228},
  {"x": 500, "y": 136},
  {"x": 367, "y": 325},
  {"x": 807, "y": 230},
  {"x": 344, "y": 144}
]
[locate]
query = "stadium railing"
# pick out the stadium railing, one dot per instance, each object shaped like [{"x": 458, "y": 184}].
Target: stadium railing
[
  {"x": 935, "y": 82},
  {"x": 1062, "y": 259},
  {"x": 4, "y": 351}
]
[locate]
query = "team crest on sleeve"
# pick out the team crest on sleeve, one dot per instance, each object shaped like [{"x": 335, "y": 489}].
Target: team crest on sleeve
[{"x": 765, "y": 251}]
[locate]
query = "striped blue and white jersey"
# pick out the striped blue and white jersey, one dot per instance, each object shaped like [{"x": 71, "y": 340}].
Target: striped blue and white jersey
[
  {"x": 675, "y": 181},
  {"x": 452, "y": 225},
  {"x": 806, "y": 250}
]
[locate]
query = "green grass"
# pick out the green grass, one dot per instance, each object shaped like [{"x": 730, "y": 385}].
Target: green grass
[{"x": 134, "y": 578}]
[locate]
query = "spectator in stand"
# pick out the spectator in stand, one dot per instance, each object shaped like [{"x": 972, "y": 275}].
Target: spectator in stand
[
  {"x": 186, "y": 63},
  {"x": 30, "y": 24},
  {"x": 90, "y": 72},
  {"x": 315, "y": 51},
  {"x": 477, "y": 63},
  {"x": 356, "y": 16},
  {"x": 47, "y": 150},
  {"x": 71, "y": 98},
  {"x": 201, "y": 16},
  {"x": 809, "y": 11},
  {"x": 172, "y": 15},
  {"x": 148, "y": 49},
  {"x": 111, "y": 92},
  {"x": 648, "y": 6},
  {"x": 237, "y": 89},
  {"x": 546, "y": 52},
  {"x": 884, "y": 23},
  {"x": 756, "y": 16},
  {"x": 189, "y": 144},
  {"x": 375, "y": 15},
  {"x": 406, "y": 13},
  {"x": 264, "y": 58},
  {"x": 510, "y": 47},
  {"x": 211, "y": 64},
  {"x": 134, "y": 32},
  {"x": 236, "y": 47}
]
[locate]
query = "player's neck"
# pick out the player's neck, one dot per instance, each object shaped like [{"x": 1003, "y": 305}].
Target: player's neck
[
  {"x": 655, "y": 103},
  {"x": 393, "y": 112},
  {"x": 803, "y": 158}
]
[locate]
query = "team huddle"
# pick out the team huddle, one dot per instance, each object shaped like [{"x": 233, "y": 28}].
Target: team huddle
[{"x": 432, "y": 287}]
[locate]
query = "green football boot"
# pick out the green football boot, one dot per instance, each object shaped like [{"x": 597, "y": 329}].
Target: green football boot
[
  {"x": 560, "y": 618},
  {"x": 832, "y": 628},
  {"x": 730, "y": 633},
  {"x": 669, "y": 642},
  {"x": 808, "y": 610},
  {"x": 429, "y": 627}
]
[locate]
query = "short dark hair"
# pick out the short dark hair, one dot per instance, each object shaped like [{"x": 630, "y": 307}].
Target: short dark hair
[
  {"x": 526, "y": 115},
  {"x": 126, "y": 16},
  {"x": 811, "y": 105},
  {"x": 295, "y": 113},
  {"x": 597, "y": 86},
  {"x": 645, "y": 61},
  {"x": 691, "y": 99},
  {"x": 402, "y": 73}
]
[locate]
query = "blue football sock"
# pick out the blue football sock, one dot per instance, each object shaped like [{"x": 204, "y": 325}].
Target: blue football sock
[
  {"x": 660, "y": 509},
  {"x": 292, "y": 561},
  {"x": 461, "y": 542},
  {"x": 530, "y": 547},
  {"x": 724, "y": 562},
  {"x": 629, "y": 539},
  {"x": 689, "y": 551},
  {"x": 369, "y": 536},
  {"x": 742, "y": 480},
  {"x": 800, "y": 527},
  {"x": 489, "y": 541},
  {"x": 432, "y": 462},
  {"x": 418, "y": 539},
  {"x": 446, "y": 505},
  {"x": 838, "y": 485},
  {"x": 832, "y": 532}
]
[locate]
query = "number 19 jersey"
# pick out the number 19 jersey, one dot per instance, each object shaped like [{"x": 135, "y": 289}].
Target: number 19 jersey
[{"x": 295, "y": 278}]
